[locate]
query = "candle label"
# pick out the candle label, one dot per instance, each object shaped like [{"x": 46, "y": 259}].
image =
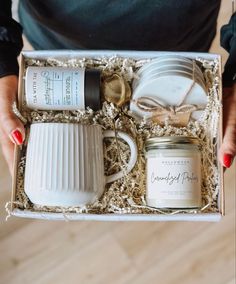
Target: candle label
[
  {"x": 173, "y": 178},
  {"x": 52, "y": 87}
]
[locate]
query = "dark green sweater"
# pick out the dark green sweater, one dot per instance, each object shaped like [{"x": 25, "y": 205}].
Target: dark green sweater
[{"x": 170, "y": 25}]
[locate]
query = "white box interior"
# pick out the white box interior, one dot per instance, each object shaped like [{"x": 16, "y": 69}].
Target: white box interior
[{"x": 69, "y": 54}]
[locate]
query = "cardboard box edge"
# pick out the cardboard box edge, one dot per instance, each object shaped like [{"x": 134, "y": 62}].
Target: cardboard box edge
[
  {"x": 17, "y": 148},
  {"x": 222, "y": 190},
  {"x": 92, "y": 53},
  {"x": 207, "y": 217}
]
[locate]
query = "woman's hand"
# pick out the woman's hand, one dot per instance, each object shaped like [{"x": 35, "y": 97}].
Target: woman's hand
[
  {"x": 227, "y": 150},
  {"x": 11, "y": 128}
]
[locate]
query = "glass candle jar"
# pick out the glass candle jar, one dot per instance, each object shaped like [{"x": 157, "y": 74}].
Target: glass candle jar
[
  {"x": 173, "y": 172},
  {"x": 60, "y": 88}
]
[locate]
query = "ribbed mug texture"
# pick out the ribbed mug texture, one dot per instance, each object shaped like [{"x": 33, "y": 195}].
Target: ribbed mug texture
[{"x": 64, "y": 164}]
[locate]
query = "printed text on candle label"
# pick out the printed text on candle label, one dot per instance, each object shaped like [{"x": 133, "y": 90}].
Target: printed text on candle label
[
  {"x": 173, "y": 178},
  {"x": 180, "y": 178}
]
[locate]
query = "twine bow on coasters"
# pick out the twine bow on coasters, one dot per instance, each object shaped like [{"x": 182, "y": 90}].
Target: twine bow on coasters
[
  {"x": 116, "y": 90},
  {"x": 175, "y": 115}
]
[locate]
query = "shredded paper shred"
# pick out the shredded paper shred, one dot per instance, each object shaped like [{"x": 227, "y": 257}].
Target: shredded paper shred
[{"x": 127, "y": 195}]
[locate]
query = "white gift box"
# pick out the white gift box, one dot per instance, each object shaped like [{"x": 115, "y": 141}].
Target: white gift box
[{"x": 70, "y": 54}]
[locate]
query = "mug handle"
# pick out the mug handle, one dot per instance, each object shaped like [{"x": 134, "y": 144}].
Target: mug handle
[{"x": 133, "y": 156}]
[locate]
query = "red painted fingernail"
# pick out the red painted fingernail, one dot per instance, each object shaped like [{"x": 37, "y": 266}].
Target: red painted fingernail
[
  {"x": 227, "y": 160},
  {"x": 17, "y": 136}
]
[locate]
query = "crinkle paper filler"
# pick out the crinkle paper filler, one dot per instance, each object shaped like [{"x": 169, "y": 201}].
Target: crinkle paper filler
[{"x": 127, "y": 195}]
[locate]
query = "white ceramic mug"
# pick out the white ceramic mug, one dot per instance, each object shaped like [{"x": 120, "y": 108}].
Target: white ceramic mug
[{"x": 65, "y": 163}]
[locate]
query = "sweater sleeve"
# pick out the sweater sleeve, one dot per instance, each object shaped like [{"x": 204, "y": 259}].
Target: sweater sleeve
[
  {"x": 228, "y": 42},
  {"x": 11, "y": 41}
]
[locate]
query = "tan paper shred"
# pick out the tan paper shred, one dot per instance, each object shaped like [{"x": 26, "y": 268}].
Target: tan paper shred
[{"x": 127, "y": 195}]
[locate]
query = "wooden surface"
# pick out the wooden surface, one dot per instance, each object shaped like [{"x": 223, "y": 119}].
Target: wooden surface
[{"x": 41, "y": 252}]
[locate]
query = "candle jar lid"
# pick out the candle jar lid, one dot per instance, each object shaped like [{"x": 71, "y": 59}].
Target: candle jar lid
[
  {"x": 167, "y": 141},
  {"x": 92, "y": 94}
]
